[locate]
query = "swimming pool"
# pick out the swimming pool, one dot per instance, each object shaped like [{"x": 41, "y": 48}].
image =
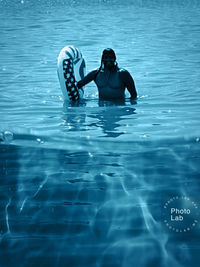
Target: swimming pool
[{"x": 86, "y": 184}]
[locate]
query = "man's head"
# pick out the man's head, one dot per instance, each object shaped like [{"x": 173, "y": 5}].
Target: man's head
[{"x": 108, "y": 58}]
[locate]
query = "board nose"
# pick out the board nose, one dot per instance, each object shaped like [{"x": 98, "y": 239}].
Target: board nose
[{"x": 73, "y": 52}]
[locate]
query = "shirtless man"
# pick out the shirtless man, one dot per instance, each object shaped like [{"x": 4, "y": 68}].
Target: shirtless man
[{"x": 111, "y": 81}]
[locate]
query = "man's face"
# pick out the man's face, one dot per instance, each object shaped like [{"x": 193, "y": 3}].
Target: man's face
[{"x": 108, "y": 60}]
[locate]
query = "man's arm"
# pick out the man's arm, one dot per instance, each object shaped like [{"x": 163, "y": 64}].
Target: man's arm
[
  {"x": 87, "y": 79},
  {"x": 129, "y": 83}
]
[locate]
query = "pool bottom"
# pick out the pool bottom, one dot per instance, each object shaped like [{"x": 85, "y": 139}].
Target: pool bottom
[{"x": 102, "y": 208}]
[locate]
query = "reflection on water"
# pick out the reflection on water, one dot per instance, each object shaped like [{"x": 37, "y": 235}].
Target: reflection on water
[
  {"x": 105, "y": 120},
  {"x": 108, "y": 118}
]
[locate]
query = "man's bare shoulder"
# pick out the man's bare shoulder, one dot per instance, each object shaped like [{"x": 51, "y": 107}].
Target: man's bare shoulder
[
  {"x": 94, "y": 72},
  {"x": 122, "y": 70},
  {"x": 124, "y": 73}
]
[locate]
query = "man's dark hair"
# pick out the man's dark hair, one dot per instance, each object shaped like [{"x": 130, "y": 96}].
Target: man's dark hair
[{"x": 108, "y": 51}]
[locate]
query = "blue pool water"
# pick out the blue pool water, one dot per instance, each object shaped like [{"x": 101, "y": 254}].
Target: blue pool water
[{"x": 87, "y": 184}]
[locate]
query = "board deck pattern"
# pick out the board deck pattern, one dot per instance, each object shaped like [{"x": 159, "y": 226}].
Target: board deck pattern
[{"x": 70, "y": 79}]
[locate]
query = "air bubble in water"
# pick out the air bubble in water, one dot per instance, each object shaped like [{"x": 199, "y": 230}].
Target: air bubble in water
[
  {"x": 39, "y": 141},
  {"x": 8, "y": 136}
]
